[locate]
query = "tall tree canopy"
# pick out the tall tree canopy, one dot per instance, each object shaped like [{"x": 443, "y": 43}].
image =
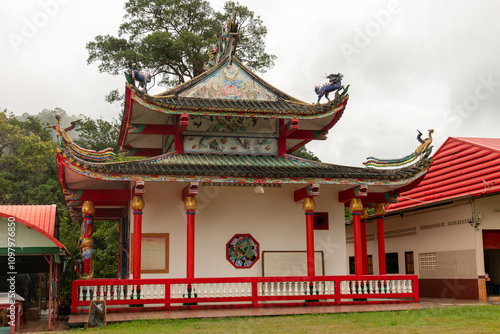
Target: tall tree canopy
[
  {"x": 27, "y": 164},
  {"x": 171, "y": 38}
]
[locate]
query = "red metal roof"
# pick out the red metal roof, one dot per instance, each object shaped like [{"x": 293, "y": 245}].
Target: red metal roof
[
  {"x": 41, "y": 218},
  {"x": 461, "y": 167}
]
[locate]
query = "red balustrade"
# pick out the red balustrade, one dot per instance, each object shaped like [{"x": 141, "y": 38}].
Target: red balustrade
[{"x": 171, "y": 293}]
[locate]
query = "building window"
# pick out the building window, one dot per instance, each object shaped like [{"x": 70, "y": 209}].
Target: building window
[
  {"x": 352, "y": 265},
  {"x": 428, "y": 261},
  {"x": 392, "y": 263}
]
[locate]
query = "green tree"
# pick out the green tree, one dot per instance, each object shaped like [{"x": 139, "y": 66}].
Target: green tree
[
  {"x": 171, "y": 38},
  {"x": 27, "y": 164},
  {"x": 97, "y": 134},
  {"x": 303, "y": 152}
]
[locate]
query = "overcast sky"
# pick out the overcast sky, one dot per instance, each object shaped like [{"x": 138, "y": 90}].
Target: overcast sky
[{"x": 411, "y": 65}]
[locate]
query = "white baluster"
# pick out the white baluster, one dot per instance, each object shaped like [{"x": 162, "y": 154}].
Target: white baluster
[
  {"x": 80, "y": 290},
  {"x": 172, "y": 291},
  {"x": 410, "y": 286},
  {"x": 266, "y": 288}
]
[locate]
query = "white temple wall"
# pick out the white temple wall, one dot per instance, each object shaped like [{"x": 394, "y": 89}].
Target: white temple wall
[{"x": 273, "y": 219}]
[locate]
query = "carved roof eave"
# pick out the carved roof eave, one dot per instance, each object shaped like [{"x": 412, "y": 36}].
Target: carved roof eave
[
  {"x": 241, "y": 169},
  {"x": 173, "y": 104}
]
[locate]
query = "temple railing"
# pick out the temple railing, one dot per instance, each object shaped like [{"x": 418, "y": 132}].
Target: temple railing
[{"x": 245, "y": 291}]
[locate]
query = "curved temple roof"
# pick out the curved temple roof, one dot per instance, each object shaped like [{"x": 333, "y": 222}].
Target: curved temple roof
[{"x": 241, "y": 169}]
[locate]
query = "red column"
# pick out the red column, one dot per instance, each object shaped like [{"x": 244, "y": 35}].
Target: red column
[
  {"x": 356, "y": 206},
  {"x": 308, "y": 205},
  {"x": 364, "y": 246},
  {"x": 87, "y": 241},
  {"x": 380, "y": 212},
  {"x": 137, "y": 207},
  {"x": 190, "y": 205}
]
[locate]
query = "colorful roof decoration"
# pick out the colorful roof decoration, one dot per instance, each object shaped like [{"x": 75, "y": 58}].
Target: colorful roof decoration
[
  {"x": 41, "y": 218},
  {"x": 461, "y": 168},
  {"x": 228, "y": 89},
  {"x": 240, "y": 169}
]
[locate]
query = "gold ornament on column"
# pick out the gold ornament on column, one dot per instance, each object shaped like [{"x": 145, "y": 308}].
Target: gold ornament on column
[
  {"x": 380, "y": 209},
  {"x": 88, "y": 208},
  {"x": 364, "y": 214},
  {"x": 137, "y": 203},
  {"x": 356, "y": 205},
  {"x": 308, "y": 204},
  {"x": 190, "y": 203}
]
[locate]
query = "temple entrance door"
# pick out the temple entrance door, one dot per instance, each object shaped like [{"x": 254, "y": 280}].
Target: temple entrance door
[
  {"x": 491, "y": 246},
  {"x": 409, "y": 264}
]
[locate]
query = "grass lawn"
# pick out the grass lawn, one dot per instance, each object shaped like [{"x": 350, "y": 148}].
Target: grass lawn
[{"x": 467, "y": 319}]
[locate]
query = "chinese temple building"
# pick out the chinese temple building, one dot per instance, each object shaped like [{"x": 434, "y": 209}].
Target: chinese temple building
[{"x": 218, "y": 210}]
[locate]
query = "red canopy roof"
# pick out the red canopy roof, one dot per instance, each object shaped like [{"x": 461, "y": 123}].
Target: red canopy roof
[
  {"x": 461, "y": 167},
  {"x": 41, "y": 218}
]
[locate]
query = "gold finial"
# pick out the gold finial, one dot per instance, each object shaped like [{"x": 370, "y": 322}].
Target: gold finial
[
  {"x": 364, "y": 214},
  {"x": 137, "y": 203},
  {"x": 88, "y": 208},
  {"x": 190, "y": 203},
  {"x": 356, "y": 205},
  {"x": 308, "y": 204},
  {"x": 380, "y": 209}
]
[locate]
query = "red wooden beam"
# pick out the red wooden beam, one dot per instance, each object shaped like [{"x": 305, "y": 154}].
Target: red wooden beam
[
  {"x": 355, "y": 192},
  {"x": 78, "y": 203},
  {"x": 308, "y": 134},
  {"x": 98, "y": 195},
  {"x": 108, "y": 213},
  {"x": 288, "y": 128},
  {"x": 311, "y": 190},
  {"x": 190, "y": 190}
]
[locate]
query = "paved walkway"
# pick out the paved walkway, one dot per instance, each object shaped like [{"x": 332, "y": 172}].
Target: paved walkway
[{"x": 80, "y": 320}]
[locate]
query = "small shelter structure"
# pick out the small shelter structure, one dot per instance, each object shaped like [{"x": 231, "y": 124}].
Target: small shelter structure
[{"x": 29, "y": 244}]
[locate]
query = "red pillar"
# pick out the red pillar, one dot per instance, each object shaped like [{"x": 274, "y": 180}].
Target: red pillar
[
  {"x": 87, "y": 241},
  {"x": 137, "y": 207},
  {"x": 190, "y": 205},
  {"x": 308, "y": 205},
  {"x": 356, "y": 206},
  {"x": 380, "y": 212},
  {"x": 364, "y": 246}
]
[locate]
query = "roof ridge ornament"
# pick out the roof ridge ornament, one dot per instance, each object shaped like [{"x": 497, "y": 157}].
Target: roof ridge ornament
[
  {"x": 65, "y": 140},
  {"x": 423, "y": 151},
  {"x": 334, "y": 85},
  {"x": 225, "y": 45},
  {"x": 134, "y": 75}
]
